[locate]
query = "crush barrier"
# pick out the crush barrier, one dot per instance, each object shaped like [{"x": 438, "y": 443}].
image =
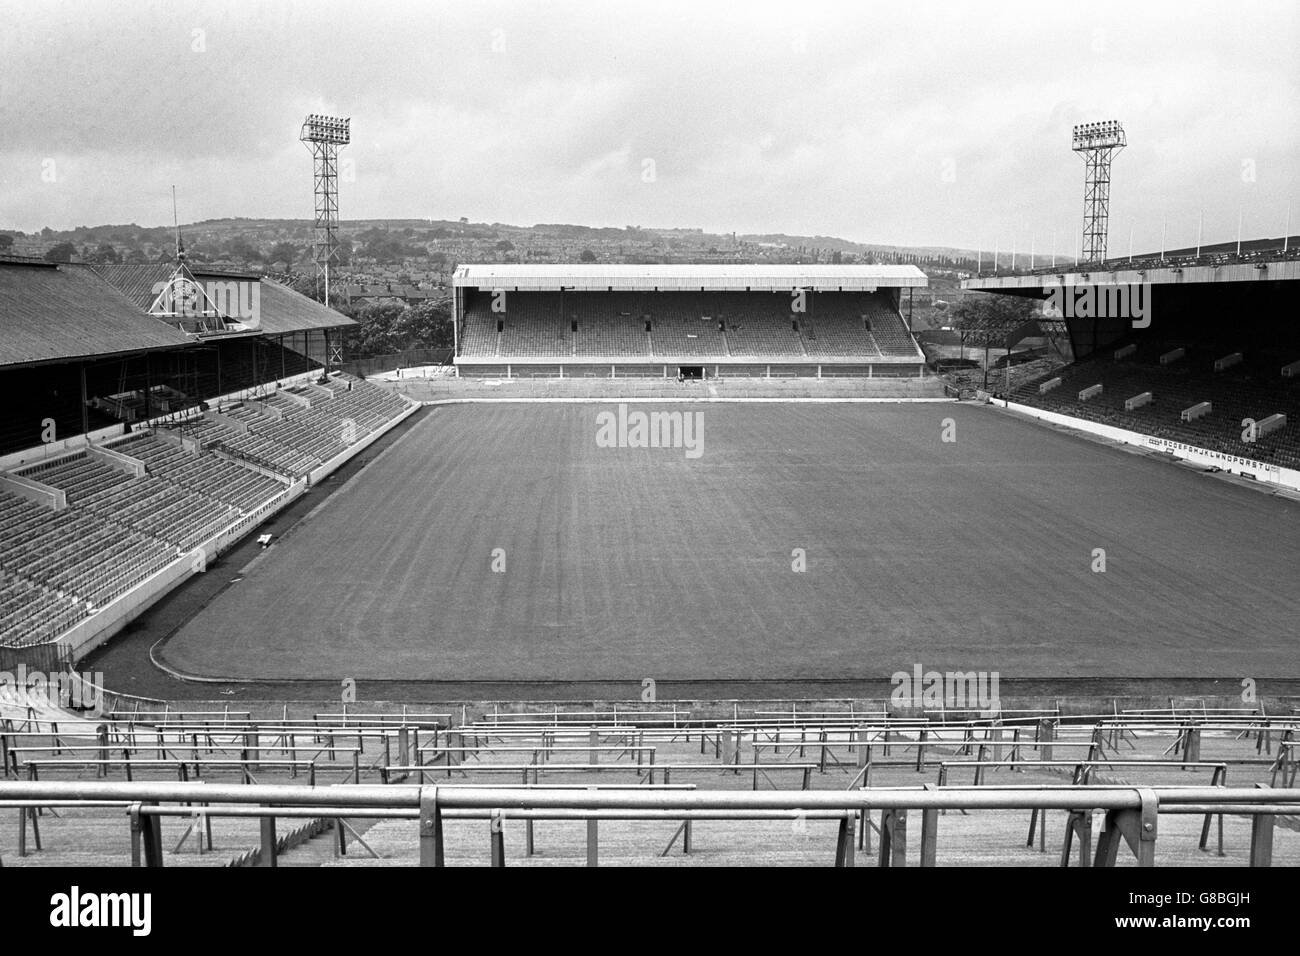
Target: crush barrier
[{"x": 1131, "y": 813}]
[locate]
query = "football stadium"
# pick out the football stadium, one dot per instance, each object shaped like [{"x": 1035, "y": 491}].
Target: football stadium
[
  {"x": 671, "y": 563},
  {"x": 668, "y": 531}
]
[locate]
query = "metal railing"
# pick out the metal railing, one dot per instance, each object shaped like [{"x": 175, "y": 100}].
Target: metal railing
[{"x": 1131, "y": 813}]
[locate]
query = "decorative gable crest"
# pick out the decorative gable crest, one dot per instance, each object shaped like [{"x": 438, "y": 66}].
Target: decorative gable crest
[{"x": 182, "y": 301}]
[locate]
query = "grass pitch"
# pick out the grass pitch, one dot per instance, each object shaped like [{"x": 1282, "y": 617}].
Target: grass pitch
[{"x": 622, "y": 564}]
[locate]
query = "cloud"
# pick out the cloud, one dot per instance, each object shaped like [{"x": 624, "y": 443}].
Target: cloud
[{"x": 936, "y": 123}]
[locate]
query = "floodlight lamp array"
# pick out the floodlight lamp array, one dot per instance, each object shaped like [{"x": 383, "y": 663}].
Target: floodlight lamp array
[
  {"x": 326, "y": 129},
  {"x": 1094, "y": 135}
]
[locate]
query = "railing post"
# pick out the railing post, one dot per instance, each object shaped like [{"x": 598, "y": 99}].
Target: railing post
[
  {"x": 844, "y": 845},
  {"x": 431, "y": 848},
  {"x": 593, "y": 842},
  {"x": 1137, "y": 827},
  {"x": 269, "y": 855},
  {"x": 929, "y": 835},
  {"x": 1077, "y": 822},
  {"x": 252, "y": 744},
  {"x": 133, "y": 814},
  {"x": 1261, "y": 839},
  {"x": 150, "y": 828},
  {"x": 101, "y": 733},
  {"x": 1219, "y": 779},
  {"x": 1150, "y": 817},
  {"x": 1046, "y": 734},
  {"x": 893, "y": 837},
  {"x": 496, "y": 828}
]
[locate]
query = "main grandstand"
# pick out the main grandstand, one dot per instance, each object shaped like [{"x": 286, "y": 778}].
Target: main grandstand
[
  {"x": 694, "y": 321},
  {"x": 153, "y": 429}
]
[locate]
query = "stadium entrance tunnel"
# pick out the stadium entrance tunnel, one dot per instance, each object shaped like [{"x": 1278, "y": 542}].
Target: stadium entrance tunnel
[{"x": 690, "y": 372}]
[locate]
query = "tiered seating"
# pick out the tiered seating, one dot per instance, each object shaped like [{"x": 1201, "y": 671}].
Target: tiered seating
[
  {"x": 887, "y": 328},
  {"x": 534, "y": 325},
  {"x": 839, "y": 335},
  {"x": 521, "y": 337},
  {"x": 303, "y": 435},
  {"x": 1253, "y": 389},
  {"x": 150, "y": 505},
  {"x": 16, "y": 513},
  {"x": 479, "y": 334},
  {"x": 30, "y": 614},
  {"x": 296, "y": 444},
  {"x": 620, "y": 336},
  {"x": 118, "y": 529},
  {"x": 857, "y": 324},
  {"x": 280, "y": 401},
  {"x": 78, "y": 552},
  {"x": 609, "y": 324},
  {"x": 685, "y": 324},
  {"x": 252, "y": 447},
  {"x": 763, "y": 338},
  {"x": 220, "y": 478},
  {"x": 366, "y": 405},
  {"x": 78, "y": 475},
  {"x": 683, "y": 334}
]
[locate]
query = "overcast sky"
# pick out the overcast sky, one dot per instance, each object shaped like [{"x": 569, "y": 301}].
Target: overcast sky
[{"x": 915, "y": 123}]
